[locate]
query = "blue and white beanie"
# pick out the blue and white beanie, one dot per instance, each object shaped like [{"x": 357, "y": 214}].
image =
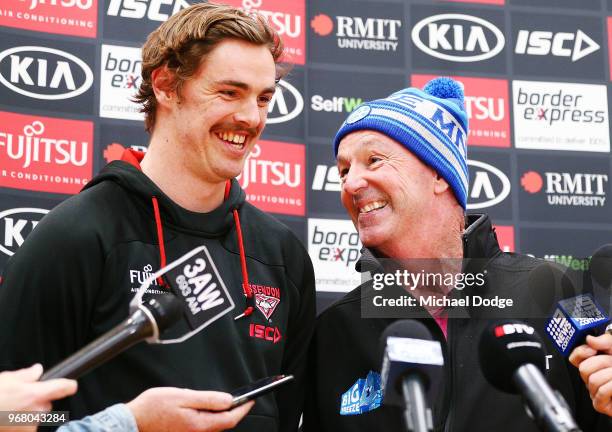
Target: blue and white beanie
[{"x": 431, "y": 123}]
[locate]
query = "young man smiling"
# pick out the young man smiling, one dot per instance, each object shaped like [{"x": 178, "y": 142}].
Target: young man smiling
[{"x": 208, "y": 74}]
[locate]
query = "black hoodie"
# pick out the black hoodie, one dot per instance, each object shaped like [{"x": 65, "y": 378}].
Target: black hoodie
[{"x": 73, "y": 278}]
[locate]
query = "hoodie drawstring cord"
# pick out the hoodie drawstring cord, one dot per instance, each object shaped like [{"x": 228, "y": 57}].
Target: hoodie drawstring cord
[
  {"x": 160, "y": 240},
  {"x": 246, "y": 287}
]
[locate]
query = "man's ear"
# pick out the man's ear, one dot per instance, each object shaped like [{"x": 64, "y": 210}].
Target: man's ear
[
  {"x": 162, "y": 81},
  {"x": 440, "y": 185}
]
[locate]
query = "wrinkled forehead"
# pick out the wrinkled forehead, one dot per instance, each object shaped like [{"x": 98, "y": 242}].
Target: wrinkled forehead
[{"x": 364, "y": 141}]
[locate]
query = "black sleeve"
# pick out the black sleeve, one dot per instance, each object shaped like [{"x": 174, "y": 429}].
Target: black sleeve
[
  {"x": 48, "y": 291},
  {"x": 290, "y": 398}
]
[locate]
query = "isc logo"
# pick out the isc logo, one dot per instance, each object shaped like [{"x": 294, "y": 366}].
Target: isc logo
[
  {"x": 260, "y": 331},
  {"x": 508, "y": 329},
  {"x": 150, "y": 8},
  {"x": 326, "y": 178},
  {"x": 559, "y": 44}
]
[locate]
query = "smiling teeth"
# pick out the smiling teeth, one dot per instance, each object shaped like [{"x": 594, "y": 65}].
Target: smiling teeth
[
  {"x": 372, "y": 206},
  {"x": 232, "y": 137}
]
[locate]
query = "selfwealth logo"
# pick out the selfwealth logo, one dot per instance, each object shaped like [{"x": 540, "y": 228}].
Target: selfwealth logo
[
  {"x": 287, "y": 18},
  {"x": 334, "y": 247},
  {"x": 274, "y": 179},
  {"x": 45, "y": 73},
  {"x": 486, "y": 104},
  {"x": 66, "y": 17},
  {"x": 458, "y": 38},
  {"x": 45, "y": 154},
  {"x": 119, "y": 82},
  {"x": 337, "y": 104},
  {"x": 567, "y": 188},
  {"x": 16, "y": 224},
  {"x": 560, "y": 116}
]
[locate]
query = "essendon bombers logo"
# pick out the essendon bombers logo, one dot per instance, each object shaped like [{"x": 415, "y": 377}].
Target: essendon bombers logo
[{"x": 266, "y": 299}]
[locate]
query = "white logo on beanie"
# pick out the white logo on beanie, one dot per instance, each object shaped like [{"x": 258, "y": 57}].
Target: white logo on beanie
[{"x": 358, "y": 114}]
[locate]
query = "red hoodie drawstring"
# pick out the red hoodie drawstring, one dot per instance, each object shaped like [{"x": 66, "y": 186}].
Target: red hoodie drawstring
[
  {"x": 160, "y": 240},
  {"x": 246, "y": 287}
]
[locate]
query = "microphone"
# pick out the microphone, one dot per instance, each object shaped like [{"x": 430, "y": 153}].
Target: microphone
[
  {"x": 411, "y": 371},
  {"x": 546, "y": 283},
  {"x": 146, "y": 322},
  {"x": 600, "y": 271},
  {"x": 512, "y": 360}
]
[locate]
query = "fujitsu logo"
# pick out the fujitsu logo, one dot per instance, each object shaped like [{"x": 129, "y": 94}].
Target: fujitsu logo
[
  {"x": 31, "y": 147},
  {"x": 58, "y": 74},
  {"x": 458, "y": 37},
  {"x": 276, "y": 173},
  {"x": 81, "y": 4},
  {"x": 483, "y": 108},
  {"x": 283, "y": 23}
]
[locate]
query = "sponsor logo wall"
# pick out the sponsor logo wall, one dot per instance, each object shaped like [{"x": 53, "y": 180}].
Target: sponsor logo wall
[{"x": 537, "y": 78}]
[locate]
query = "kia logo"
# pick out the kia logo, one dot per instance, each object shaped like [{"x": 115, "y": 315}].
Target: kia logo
[
  {"x": 482, "y": 188},
  {"x": 61, "y": 74},
  {"x": 458, "y": 38},
  {"x": 17, "y": 224},
  {"x": 283, "y": 109}
]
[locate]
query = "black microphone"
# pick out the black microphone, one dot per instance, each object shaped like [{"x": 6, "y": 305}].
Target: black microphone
[
  {"x": 147, "y": 322},
  {"x": 411, "y": 371},
  {"x": 548, "y": 282},
  {"x": 600, "y": 271},
  {"x": 512, "y": 360}
]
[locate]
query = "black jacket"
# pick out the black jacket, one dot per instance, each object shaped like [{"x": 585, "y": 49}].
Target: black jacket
[
  {"x": 73, "y": 278},
  {"x": 346, "y": 347}
]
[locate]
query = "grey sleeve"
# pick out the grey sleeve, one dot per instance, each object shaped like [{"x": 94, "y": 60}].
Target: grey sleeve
[{"x": 117, "y": 418}]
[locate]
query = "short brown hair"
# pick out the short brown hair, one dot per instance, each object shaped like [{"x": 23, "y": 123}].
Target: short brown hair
[{"x": 182, "y": 42}]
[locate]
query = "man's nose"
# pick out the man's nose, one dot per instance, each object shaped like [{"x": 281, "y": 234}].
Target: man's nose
[
  {"x": 249, "y": 114},
  {"x": 354, "y": 180}
]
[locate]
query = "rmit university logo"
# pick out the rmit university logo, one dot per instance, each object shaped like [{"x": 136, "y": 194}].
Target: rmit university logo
[
  {"x": 44, "y": 73},
  {"x": 488, "y": 186},
  {"x": 286, "y": 104},
  {"x": 155, "y": 10},
  {"x": 568, "y": 189},
  {"x": 16, "y": 224},
  {"x": 458, "y": 38},
  {"x": 378, "y": 34}
]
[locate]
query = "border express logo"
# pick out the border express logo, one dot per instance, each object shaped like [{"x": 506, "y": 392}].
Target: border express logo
[
  {"x": 119, "y": 82},
  {"x": 334, "y": 246},
  {"x": 66, "y": 17},
  {"x": 560, "y": 116},
  {"x": 45, "y": 154}
]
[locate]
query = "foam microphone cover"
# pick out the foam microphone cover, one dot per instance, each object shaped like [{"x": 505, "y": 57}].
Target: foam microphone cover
[
  {"x": 166, "y": 309},
  {"x": 504, "y": 347},
  {"x": 404, "y": 329}
]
